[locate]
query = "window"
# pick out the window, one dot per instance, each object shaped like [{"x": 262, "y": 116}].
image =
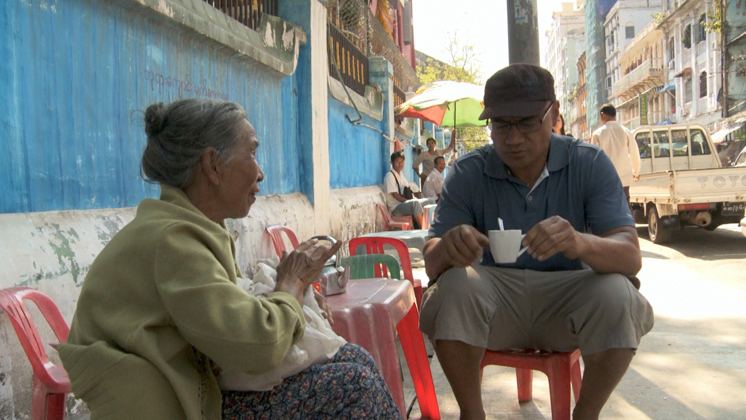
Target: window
[
  {"x": 703, "y": 84},
  {"x": 699, "y": 143},
  {"x": 671, "y": 49},
  {"x": 630, "y": 32},
  {"x": 643, "y": 144},
  {"x": 687, "y": 87},
  {"x": 660, "y": 144},
  {"x": 679, "y": 143},
  {"x": 702, "y": 32},
  {"x": 687, "y": 36}
]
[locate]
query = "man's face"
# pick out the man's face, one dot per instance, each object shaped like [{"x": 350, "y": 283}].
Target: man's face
[
  {"x": 398, "y": 164},
  {"x": 440, "y": 165},
  {"x": 524, "y": 145}
]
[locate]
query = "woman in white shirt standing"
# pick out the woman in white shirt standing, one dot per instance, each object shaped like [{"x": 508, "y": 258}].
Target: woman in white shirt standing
[{"x": 427, "y": 157}]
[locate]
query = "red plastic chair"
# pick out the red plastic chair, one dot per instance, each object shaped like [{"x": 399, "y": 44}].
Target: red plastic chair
[
  {"x": 375, "y": 245},
  {"x": 412, "y": 342},
  {"x": 562, "y": 369},
  {"x": 275, "y": 234},
  {"x": 389, "y": 221},
  {"x": 427, "y": 216},
  {"x": 51, "y": 383}
]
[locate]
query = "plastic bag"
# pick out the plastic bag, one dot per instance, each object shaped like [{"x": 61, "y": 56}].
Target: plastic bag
[{"x": 318, "y": 344}]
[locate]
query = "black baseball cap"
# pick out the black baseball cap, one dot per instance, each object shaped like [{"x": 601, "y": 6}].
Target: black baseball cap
[{"x": 519, "y": 90}]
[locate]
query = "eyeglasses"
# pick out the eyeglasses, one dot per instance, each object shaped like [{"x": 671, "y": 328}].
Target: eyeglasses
[{"x": 528, "y": 125}]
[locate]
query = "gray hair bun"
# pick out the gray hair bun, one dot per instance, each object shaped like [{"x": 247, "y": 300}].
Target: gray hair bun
[{"x": 154, "y": 119}]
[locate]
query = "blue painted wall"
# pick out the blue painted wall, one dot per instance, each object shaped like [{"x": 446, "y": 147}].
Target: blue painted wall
[
  {"x": 76, "y": 77},
  {"x": 358, "y": 156}
]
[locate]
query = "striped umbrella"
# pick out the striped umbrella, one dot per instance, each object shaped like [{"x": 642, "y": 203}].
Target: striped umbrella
[{"x": 447, "y": 104}]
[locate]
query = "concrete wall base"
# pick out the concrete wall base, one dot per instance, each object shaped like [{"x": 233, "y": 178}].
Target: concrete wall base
[{"x": 52, "y": 252}]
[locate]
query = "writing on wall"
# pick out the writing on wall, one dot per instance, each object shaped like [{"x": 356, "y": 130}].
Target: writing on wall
[{"x": 164, "y": 82}]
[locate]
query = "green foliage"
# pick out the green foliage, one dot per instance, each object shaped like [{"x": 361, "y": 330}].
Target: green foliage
[
  {"x": 658, "y": 17},
  {"x": 714, "y": 21},
  {"x": 463, "y": 67}
]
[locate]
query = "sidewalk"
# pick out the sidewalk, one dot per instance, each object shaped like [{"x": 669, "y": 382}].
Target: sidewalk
[{"x": 692, "y": 365}]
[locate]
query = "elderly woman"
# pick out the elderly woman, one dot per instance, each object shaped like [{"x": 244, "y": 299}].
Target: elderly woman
[{"x": 160, "y": 313}]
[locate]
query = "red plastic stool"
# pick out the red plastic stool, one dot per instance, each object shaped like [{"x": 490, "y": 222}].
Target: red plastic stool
[
  {"x": 51, "y": 383},
  {"x": 562, "y": 369}
]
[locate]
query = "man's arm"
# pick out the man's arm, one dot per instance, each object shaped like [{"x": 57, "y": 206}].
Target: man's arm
[
  {"x": 400, "y": 198},
  {"x": 452, "y": 145},
  {"x": 634, "y": 155},
  {"x": 459, "y": 247},
  {"x": 594, "y": 139},
  {"x": 615, "y": 251}
]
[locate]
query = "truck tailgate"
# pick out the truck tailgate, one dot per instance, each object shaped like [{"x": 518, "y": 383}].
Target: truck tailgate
[{"x": 710, "y": 185}]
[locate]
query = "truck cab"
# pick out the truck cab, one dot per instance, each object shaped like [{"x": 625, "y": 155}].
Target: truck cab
[{"x": 677, "y": 147}]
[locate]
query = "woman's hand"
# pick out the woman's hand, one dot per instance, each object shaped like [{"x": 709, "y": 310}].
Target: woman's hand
[
  {"x": 326, "y": 310},
  {"x": 301, "y": 267}
]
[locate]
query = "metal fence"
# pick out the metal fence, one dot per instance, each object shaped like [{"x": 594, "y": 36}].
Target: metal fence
[
  {"x": 349, "y": 59},
  {"x": 247, "y": 12},
  {"x": 354, "y": 21}
]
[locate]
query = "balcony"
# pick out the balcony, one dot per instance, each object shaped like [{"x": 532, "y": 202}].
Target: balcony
[{"x": 647, "y": 75}]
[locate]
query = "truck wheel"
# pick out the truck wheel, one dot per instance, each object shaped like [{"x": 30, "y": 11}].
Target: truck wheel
[{"x": 656, "y": 232}]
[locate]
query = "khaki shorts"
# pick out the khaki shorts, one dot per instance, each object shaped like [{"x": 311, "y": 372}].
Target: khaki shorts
[{"x": 505, "y": 308}]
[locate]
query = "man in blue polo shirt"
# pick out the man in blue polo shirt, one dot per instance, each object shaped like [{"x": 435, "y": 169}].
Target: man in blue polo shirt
[{"x": 570, "y": 289}]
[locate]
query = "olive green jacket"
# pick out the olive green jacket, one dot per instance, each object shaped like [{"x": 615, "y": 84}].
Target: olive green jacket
[{"x": 160, "y": 309}]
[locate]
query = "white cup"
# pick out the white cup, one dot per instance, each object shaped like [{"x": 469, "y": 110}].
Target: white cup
[{"x": 506, "y": 245}]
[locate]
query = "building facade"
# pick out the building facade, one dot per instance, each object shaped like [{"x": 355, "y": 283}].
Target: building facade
[
  {"x": 692, "y": 62},
  {"x": 578, "y": 122},
  {"x": 623, "y": 22},
  {"x": 566, "y": 42},
  {"x": 639, "y": 93}
]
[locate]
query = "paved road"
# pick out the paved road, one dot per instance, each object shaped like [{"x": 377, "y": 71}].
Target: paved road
[{"x": 691, "y": 366}]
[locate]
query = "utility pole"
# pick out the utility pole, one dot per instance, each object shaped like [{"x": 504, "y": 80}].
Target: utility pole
[{"x": 523, "y": 32}]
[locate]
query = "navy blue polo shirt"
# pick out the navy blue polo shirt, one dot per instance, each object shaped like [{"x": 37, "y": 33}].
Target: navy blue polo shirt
[{"x": 582, "y": 187}]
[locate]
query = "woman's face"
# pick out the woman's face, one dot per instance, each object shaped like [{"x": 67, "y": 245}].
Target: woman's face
[
  {"x": 558, "y": 126},
  {"x": 431, "y": 145},
  {"x": 241, "y": 175}
]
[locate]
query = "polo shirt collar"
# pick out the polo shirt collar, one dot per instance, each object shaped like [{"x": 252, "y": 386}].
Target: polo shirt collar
[{"x": 559, "y": 157}]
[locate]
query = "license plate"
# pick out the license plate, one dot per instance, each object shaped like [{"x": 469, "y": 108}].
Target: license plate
[{"x": 732, "y": 209}]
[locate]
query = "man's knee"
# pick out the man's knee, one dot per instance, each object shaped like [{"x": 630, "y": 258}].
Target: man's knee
[{"x": 459, "y": 282}]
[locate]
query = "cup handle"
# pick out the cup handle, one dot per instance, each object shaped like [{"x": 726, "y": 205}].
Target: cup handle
[{"x": 522, "y": 249}]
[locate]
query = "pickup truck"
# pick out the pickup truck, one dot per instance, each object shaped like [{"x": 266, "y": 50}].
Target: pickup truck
[{"x": 682, "y": 182}]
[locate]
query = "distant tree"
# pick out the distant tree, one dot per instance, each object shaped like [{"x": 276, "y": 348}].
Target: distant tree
[{"x": 463, "y": 66}]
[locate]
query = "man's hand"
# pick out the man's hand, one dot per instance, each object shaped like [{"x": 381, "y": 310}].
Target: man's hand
[
  {"x": 551, "y": 236},
  {"x": 459, "y": 247},
  {"x": 615, "y": 251},
  {"x": 301, "y": 267}
]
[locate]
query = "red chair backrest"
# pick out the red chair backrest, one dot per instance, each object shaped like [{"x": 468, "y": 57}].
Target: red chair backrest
[
  {"x": 387, "y": 219},
  {"x": 375, "y": 245},
  {"x": 11, "y": 301},
  {"x": 275, "y": 234}
]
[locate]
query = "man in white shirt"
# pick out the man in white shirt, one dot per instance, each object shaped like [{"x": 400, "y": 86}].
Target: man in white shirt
[
  {"x": 434, "y": 182},
  {"x": 617, "y": 141},
  {"x": 394, "y": 184}
]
